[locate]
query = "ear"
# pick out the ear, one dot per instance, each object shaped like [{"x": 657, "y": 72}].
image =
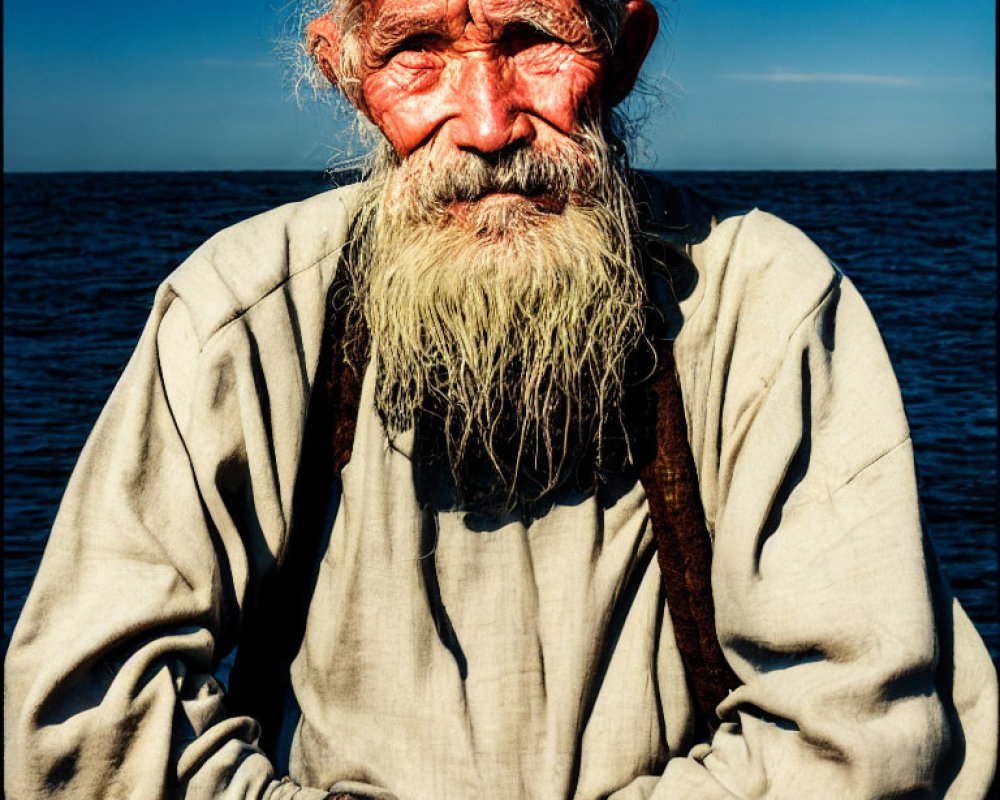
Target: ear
[
  {"x": 323, "y": 44},
  {"x": 635, "y": 37}
]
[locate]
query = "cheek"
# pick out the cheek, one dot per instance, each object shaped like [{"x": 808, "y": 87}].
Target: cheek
[
  {"x": 560, "y": 90},
  {"x": 406, "y": 105}
]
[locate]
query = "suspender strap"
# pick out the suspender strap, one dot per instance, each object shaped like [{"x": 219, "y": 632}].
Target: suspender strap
[
  {"x": 683, "y": 547},
  {"x": 342, "y": 386}
]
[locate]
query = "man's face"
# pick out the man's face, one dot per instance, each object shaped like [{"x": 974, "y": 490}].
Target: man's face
[
  {"x": 480, "y": 76},
  {"x": 483, "y": 76}
]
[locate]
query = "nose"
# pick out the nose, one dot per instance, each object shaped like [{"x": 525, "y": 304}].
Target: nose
[{"x": 490, "y": 119}]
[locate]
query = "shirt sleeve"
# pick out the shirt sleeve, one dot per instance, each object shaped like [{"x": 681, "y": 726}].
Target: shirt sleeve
[
  {"x": 828, "y": 602},
  {"x": 178, "y": 504}
]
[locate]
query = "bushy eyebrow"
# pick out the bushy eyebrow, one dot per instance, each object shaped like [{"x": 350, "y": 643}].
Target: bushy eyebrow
[
  {"x": 557, "y": 22},
  {"x": 394, "y": 27}
]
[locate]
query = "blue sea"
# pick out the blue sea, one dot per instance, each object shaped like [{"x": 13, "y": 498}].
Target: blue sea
[{"x": 83, "y": 253}]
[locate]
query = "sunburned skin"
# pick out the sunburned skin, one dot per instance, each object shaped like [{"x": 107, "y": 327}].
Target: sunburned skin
[{"x": 482, "y": 76}]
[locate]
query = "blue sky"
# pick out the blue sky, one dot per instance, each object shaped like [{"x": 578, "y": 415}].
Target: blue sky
[{"x": 838, "y": 84}]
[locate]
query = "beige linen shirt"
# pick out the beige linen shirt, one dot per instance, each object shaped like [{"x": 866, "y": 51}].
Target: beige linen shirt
[{"x": 448, "y": 656}]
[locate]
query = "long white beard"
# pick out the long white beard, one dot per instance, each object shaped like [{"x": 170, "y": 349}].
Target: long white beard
[{"x": 501, "y": 327}]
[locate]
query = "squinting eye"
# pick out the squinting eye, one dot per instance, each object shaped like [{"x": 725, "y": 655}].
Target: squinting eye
[
  {"x": 415, "y": 60},
  {"x": 415, "y": 44},
  {"x": 415, "y": 53}
]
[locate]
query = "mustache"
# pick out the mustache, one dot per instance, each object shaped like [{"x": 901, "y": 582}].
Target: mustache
[{"x": 526, "y": 170}]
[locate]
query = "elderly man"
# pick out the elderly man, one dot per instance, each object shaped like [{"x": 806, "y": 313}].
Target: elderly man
[{"x": 470, "y": 451}]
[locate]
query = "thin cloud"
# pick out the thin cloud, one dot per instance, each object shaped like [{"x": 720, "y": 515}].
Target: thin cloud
[{"x": 821, "y": 77}]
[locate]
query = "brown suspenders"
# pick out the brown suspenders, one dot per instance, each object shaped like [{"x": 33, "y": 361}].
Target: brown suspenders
[
  {"x": 684, "y": 550},
  {"x": 274, "y": 624}
]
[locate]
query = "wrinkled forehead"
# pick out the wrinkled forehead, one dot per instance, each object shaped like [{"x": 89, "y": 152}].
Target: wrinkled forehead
[{"x": 564, "y": 19}]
